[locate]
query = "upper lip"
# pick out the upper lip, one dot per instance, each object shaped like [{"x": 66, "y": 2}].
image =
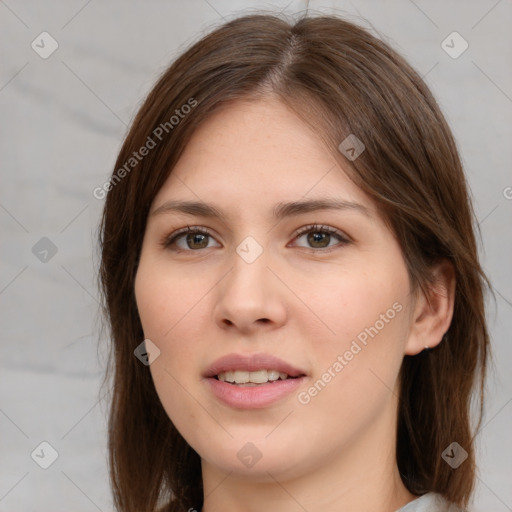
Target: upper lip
[{"x": 251, "y": 363}]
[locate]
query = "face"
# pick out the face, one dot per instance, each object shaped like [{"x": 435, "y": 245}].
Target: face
[{"x": 317, "y": 296}]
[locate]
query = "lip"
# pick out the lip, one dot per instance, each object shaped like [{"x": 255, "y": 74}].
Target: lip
[
  {"x": 252, "y": 397},
  {"x": 252, "y": 363}
]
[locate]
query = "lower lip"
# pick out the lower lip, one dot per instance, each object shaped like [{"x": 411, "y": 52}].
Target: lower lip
[{"x": 253, "y": 397}]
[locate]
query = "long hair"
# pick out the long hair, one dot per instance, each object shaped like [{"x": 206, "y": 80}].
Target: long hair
[{"x": 342, "y": 81}]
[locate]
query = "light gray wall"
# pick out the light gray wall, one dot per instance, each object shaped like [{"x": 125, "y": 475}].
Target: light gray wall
[{"x": 63, "y": 119}]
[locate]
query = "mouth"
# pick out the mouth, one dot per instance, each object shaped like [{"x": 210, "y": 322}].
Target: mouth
[
  {"x": 252, "y": 368},
  {"x": 256, "y": 378},
  {"x": 252, "y": 381}
]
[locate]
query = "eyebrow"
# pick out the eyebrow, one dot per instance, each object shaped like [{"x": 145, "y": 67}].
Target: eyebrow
[{"x": 280, "y": 211}]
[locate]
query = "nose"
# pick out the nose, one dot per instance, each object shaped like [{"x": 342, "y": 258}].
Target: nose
[{"x": 250, "y": 297}]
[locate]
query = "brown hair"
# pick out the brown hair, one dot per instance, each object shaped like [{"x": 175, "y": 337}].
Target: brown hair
[{"x": 340, "y": 80}]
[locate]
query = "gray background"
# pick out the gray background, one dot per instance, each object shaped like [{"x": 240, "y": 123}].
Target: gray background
[{"x": 62, "y": 123}]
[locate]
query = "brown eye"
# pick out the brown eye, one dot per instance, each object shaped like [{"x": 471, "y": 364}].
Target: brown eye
[
  {"x": 188, "y": 239},
  {"x": 320, "y": 237},
  {"x": 196, "y": 240}
]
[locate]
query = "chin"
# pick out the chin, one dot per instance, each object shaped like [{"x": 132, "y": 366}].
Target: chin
[{"x": 257, "y": 464}]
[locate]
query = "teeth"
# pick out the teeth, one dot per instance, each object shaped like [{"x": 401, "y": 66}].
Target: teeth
[
  {"x": 257, "y": 377},
  {"x": 274, "y": 375},
  {"x": 241, "y": 377}
]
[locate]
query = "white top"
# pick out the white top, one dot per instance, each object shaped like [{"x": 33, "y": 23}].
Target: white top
[{"x": 430, "y": 502}]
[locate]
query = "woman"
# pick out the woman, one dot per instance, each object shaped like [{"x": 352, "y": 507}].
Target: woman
[{"x": 292, "y": 282}]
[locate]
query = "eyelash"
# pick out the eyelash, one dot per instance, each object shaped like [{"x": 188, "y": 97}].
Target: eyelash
[{"x": 168, "y": 241}]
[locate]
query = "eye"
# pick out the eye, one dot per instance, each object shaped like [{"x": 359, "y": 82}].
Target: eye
[
  {"x": 319, "y": 237},
  {"x": 188, "y": 239},
  {"x": 195, "y": 238}
]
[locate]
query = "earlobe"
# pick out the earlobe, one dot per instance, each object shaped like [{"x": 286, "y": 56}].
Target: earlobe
[{"x": 433, "y": 313}]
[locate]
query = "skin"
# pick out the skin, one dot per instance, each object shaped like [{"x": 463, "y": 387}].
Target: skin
[{"x": 295, "y": 301}]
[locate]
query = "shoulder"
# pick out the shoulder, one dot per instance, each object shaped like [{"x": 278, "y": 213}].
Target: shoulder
[{"x": 430, "y": 502}]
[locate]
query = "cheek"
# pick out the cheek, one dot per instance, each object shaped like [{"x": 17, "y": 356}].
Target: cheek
[
  {"x": 163, "y": 314},
  {"x": 358, "y": 301},
  {"x": 167, "y": 300},
  {"x": 356, "y": 370},
  {"x": 172, "y": 316},
  {"x": 367, "y": 310}
]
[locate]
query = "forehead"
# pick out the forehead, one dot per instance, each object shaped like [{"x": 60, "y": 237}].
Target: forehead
[{"x": 256, "y": 154}]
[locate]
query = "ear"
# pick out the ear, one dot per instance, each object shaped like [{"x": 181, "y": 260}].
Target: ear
[{"x": 433, "y": 313}]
